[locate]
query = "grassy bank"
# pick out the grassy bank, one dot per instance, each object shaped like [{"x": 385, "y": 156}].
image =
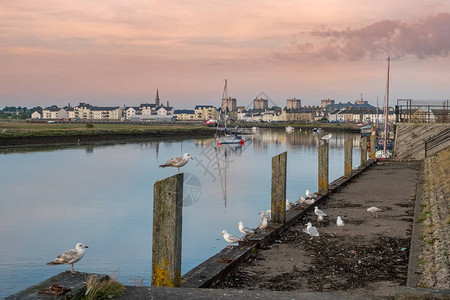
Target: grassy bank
[{"x": 16, "y": 133}]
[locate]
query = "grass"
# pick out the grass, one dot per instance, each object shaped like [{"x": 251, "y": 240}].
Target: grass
[
  {"x": 25, "y": 129},
  {"x": 102, "y": 289}
]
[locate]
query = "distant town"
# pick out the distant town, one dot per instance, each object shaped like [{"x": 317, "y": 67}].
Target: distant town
[{"x": 263, "y": 110}]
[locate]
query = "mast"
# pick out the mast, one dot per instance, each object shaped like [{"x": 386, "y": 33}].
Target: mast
[{"x": 386, "y": 127}]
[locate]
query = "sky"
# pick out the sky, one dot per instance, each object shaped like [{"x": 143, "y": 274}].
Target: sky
[{"x": 119, "y": 52}]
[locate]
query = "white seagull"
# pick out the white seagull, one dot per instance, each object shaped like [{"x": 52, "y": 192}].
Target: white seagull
[
  {"x": 289, "y": 204},
  {"x": 311, "y": 230},
  {"x": 244, "y": 229},
  {"x": 263, "y": 215},
  {"x": 326, "y": 137},
  {"x": 263, "y": 225},
  {"x": 310, "y": 195},
  {"x": 309, "y": 201},
  {"x": 70, "y": 256},
  {"x": 320, "y": 219},
  {"x": 340, "y": 223},
  {"x": 301, "y": 200},
  {"x": 177, "y": 162},
  {"x": 269, "y": 215},
  {"x": 229, "y": 238},
  {"x": 319, "y": 212},
  {"x": 374, "y": 211}
]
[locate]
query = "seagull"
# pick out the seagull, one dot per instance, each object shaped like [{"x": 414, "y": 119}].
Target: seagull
[
  {"x": 263, "y": 225},
  {"x": 340, "y": 223},
  {"x": 229, "y": 238},
  {"x": 177, "y": 162},
  {"x": 320, "y": 219},
  {"x": 326, "y": 137},
  {"x": 4, "y": 130},
  {"x": 310, "y": 195},
  {"x": 309, "y": 201},
  {"x": 374, "y": 211},
  {"x": 263, "y": 215},
  {"x": 70, "y": 256},
  {"x": 244, "y": 229},
  {"x": 311, "y": 230},
  {"x": 289, "y": 204},
  {"x": 269, "y": 215},
  {"x": 319, "y": 212},
  {"x": 301, "y": 200}
]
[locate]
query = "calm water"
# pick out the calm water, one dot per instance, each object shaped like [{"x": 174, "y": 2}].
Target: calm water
[{"x": 102, "y": 196}]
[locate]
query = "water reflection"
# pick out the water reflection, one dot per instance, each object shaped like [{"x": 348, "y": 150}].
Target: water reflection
[{"x": 101, "y": 195}]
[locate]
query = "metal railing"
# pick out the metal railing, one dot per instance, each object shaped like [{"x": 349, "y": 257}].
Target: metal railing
[{"x": 422, "y": 111}]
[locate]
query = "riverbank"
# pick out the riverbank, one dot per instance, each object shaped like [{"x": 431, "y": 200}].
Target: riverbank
[
  {"x": 22, "y": 133},
  {"x": 18, "y": 134}
]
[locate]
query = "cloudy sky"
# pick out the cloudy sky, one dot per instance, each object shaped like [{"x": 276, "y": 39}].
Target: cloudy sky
[{"x": 115, "y": 52}]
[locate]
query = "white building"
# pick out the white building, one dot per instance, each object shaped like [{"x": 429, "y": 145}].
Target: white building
[
  {"x": 53, "y": 113},
  {"x": 36, "y": 115}
]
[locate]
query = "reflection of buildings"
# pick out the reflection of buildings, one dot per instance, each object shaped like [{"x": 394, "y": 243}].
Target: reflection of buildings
[{"x": 224, "y": 156}]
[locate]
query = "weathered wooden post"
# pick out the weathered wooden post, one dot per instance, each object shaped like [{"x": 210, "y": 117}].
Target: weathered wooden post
[
  {"x": 373, "y": 144},
  {"x": 167, "y": 225},
  {"x": 348, "y": 156},
  {"x": 363, "y": 151},
  {"x": 323, "y": 168},
  {"x": 278, "y": 206}
]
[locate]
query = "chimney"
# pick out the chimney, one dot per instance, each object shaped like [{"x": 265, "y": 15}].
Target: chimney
[{"x": 167, "y": 103}]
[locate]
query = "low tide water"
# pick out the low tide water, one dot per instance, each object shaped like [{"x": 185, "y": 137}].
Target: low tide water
[{"x": 102, "y": 196}]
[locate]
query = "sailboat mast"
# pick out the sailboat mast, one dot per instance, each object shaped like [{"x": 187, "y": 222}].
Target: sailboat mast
[{"x": 386, "y": 128}]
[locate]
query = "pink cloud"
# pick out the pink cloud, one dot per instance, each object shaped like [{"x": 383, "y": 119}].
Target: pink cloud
[{"x": 424, "y": 39}]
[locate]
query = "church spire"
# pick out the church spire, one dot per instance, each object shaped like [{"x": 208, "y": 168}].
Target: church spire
[{"x": 157, "y": 98}]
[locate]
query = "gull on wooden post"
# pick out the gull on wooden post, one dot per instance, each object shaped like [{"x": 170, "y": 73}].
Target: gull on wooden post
[
  {"x": 229, "y": 238},
  {"x": 340, "y": 223},
  {"x": 177, "y": 162},
  {"x": 244, "y": 229},
  {"x": 70, "y": 257},
  {"x": 289, "y": 204},
  {"x": 301, "y": 200},
  {"x": 326, "y": 137}
]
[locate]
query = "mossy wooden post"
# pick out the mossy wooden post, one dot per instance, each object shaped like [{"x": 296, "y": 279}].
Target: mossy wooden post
[
  {"x": 348, "y": 156},
  {"x": 373, "y": 144},
  {"x": 278, "y": 206},
  {"x": 323, "y": 168},
  {"x": 363, "y": 151},
  {"x": 167, "y": 224}
]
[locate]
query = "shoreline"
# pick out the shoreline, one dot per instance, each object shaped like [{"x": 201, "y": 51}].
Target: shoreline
[{"x": 22, "y": 134}]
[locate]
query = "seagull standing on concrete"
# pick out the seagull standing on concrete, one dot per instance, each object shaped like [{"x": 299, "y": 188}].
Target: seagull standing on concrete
[
  {"x": 310, "y": 195},
  {"x": 244, "y": 229},
  {"x": 319, "y": 212},
  {"x": 263, "y": 225},
  {"x": 70, "y": 257},
  {"x": 320, "y": 219},
  {"x": 311, "y": 230},
  {"x": 340, "y": 223},
  {"x": 229, "y": 238},
  {"x": 177, "y": 162},
  {"x": 374, "y": 211}
]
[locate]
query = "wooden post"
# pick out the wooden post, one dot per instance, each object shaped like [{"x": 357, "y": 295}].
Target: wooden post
[
  {"x": 348, "y": 156},
  {"x": 278, "y": 205},
  {"x": 373, "y": 144},
  {"x": 167, "y": 225},
  {"x": 323, "y": 168},
  {"x": 363, "y": 151}
]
